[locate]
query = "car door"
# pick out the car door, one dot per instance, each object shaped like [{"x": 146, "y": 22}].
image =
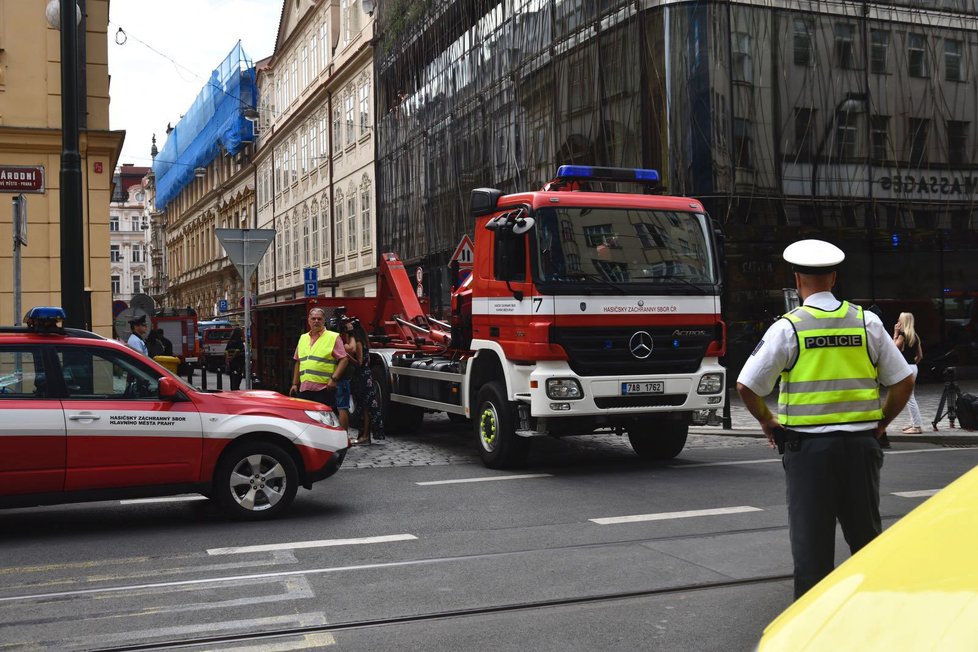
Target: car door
[
  {"x": 32, "y": 425},
  {"x": 119, "y": 432}
]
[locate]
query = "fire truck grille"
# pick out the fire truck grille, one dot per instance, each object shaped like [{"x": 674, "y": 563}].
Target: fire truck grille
[
  {"x": 608, "y": 402},
  {"x": 608, "y": 351}
]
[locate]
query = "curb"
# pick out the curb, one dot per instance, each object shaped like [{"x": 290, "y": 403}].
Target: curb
[{"x": 955, "y": 437}]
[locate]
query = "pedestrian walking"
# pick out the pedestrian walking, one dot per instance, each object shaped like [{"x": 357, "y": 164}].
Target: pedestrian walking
[
  {"x": 154, "y": 344},
  {"x": 906, "y": 339},
  {"x": 139, "y": 329},
  {"x": 320, "y": 359},
  {"x": 234, "y": 358},
  {"x": 365, "y": 387},
  {"x": 831, "y": 357}
]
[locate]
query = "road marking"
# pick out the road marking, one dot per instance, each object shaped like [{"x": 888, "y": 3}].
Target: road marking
[
  {"x": 663, "y": 516},
  {"x": 923, "y": 493},
  {"x": 925, "y": 450},
  {"x": 324, "y": 543},
  {"x": 486, "y": 479},
  {"x": 699, "y": 466},
  {"x": 166, "y": 499}
]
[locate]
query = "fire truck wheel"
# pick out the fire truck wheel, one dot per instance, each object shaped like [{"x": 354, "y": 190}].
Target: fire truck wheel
[
  {"x": 255, "y": 480},
  {"x": 499, "y": 445},
  {"x": 658, "y": 440},
  {"x": 399, "y": 418}
]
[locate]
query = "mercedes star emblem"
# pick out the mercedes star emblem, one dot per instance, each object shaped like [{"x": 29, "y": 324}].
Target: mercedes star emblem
[{"x": 640, "y": 345}]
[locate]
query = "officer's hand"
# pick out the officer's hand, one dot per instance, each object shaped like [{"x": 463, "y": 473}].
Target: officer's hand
[
  {"x": 293, "y": 390},
  {"x": 768, "y": 426}
]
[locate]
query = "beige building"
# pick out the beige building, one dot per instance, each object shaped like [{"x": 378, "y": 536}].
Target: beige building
[
  {"x": 315, "y": 160},
  {"x": 129, "y": 263},
  {"x": 30, "y": 135}
]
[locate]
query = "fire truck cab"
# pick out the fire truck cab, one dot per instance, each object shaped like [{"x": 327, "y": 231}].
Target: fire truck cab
[{"x": 588, "y": 310}]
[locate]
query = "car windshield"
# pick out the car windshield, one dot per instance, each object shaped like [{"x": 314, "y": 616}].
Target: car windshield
[{"x": 619, "y": 247}]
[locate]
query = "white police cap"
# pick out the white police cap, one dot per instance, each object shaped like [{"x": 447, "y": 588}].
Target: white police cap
[{"x": 813, "y": 256}]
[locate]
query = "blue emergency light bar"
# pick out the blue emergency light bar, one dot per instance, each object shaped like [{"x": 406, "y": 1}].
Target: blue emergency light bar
[
  {"x": 591, "y": 173},
  {"x": 45, "y": 312}
]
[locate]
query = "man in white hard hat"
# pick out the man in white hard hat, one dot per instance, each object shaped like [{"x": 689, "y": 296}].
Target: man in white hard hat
[{"x": 831, "y": 357}]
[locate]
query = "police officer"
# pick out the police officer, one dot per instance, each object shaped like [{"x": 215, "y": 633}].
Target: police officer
[
  {"x": 831, "y": 357},
  {"x": 139, "y": 329}
]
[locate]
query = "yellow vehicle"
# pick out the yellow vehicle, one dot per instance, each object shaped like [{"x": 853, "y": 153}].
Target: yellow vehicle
[{"x": 913, "y": 588}]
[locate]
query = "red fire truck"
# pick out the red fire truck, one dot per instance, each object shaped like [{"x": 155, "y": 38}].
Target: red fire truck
[{"x": 588, "y": 310}]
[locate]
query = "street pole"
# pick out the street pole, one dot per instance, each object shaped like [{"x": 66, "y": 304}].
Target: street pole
[
  {"x": 20, "y": 238},
  {"x": 73, "y": 293},
  {"x": 247, "y": 317}
]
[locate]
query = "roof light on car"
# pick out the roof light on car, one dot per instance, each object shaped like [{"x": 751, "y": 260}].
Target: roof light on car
[
  {"x": 45, "y": 319},
  {"x": 607, "y": 174}
]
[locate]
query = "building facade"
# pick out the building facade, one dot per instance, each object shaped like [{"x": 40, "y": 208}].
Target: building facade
[
  {"x": 315, "y": 160},
  {"x": 848, "y": 121},
  {"x": 130, "y": 268},
  {"x": 30, "y": 135}
]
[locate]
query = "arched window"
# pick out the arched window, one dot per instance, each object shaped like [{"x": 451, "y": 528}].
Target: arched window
[
  {"x": 288, "y": 246},
  {"x": 338, "y": 216},
  {"x": 314, "y": 231},
  {"x": 295, "y": 241},
  {"x": 324, "y": 225},
  {"x": 306, "y": 258},
  {"x": 366, "y": 230},
  {"x": 351, "y": 219}
]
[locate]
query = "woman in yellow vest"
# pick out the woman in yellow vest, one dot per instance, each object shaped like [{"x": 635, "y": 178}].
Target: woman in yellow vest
[
  {"x": 831, "y": 357},
  {"x": 320, "y": 360}
]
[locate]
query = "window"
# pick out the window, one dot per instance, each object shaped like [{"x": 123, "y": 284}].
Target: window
[
  {"x": 137, "y": 253},
  {"x": 880, "y": 136},
  {"x": 323, "y": 138},
  {"x": 293, "y": 164},
  {"x": 314, "y": 230},
  {"x": 314, "y": 54},
  {"x": 365, "y": 229},
  {"x": 351, "y": 221},
  {"x": 304, "y": 153},
  {"x": 287, "y": 245},
  {"x": 879, "y": 51},
  {"x": 286, "y": 98},
  {"x": 364, "y": 108},
  {"x": 338, "y": 216},
  {"x": 742, "y": 67},
  {"x": 952, "y": 61},
  {"x": 294, "y": 77},
  {"x": 844, "y": 50},
  {"x": 313, "y": 153},
  {"x": 113, "y": 223},
  {"x": 116, "y": 284},
  {"x": 295, "y": 241},
  {"x": 337, "y": 130},
  {"x": 305, "y": 67},
  {"x": 306, "y": 242},
  {"x": 804, "y": 126},
  {"x": 743, "y": 142},
  {"x": 22, "y": 373},
  {"x": 579, "y": 85},
  {"x": 917, "y": 55},
  {"x": 600, "y": 234},
  {"x": 649, "y": 235},
  {"x": 803, "y": 47},
  {"x": 509, "y": 257},
  {"x": 845, "y": 135},
  {"x": 918, "y": 140},
  {"x": 115, "y": 255},
  {"x": 957, "y": 142},
  {"x": 137, "y": 285},
  {"x": 348, "y": 103},
  {"x": 102, "y": 374}
]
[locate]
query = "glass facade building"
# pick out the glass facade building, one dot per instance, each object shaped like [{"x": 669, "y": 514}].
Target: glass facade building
[{"x": 848, "y": 121}]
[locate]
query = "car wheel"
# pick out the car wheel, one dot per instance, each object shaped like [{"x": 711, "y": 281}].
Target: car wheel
[
  {"x": 658, "y": 440},
  {"x": 499, "y": 445},
  {"x": 256, "y": 480}
]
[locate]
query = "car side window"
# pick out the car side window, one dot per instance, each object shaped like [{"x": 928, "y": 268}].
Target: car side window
[
  {"x": 91, "y": 373},
  {"x": 22, "y": 373}
]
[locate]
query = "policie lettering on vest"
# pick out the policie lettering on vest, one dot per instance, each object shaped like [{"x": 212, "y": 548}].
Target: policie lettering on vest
[{"x": 828, "y": 341}]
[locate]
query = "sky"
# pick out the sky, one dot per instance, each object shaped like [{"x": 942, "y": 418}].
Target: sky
[{"x": 191, "y": 38}]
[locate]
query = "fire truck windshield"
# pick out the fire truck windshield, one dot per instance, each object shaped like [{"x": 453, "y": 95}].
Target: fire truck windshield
[{"x": 628, "y": 249}]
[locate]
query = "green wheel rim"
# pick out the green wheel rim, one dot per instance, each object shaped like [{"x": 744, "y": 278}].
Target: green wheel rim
[{"x": 488, "y": 427}]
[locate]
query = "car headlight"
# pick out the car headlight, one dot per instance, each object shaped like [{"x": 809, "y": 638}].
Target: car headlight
[
  {"x": 564, "y": 389},
  {"x": 710, "y": 384},
  {"x": 325, "y": 417}
]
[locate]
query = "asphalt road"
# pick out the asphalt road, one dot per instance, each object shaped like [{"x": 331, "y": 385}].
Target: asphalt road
[{"x": 439, "y": 556}]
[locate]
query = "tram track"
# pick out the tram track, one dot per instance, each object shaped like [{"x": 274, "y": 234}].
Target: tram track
[{"x": 453, "y": 614}]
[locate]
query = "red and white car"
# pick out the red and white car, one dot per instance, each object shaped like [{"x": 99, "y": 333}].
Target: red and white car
[{"x": 86, "y": 418}]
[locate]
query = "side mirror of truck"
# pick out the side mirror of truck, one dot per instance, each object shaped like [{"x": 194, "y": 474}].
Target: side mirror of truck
[{"x": 483, "y": 201}]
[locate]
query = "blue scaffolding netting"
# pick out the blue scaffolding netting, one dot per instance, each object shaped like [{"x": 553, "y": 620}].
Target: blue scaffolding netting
[{"x": 214, "y": 123}]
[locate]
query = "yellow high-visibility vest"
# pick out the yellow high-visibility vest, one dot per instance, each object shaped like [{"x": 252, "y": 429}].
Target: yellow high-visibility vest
[
  {"x": 833, "y": 381},
  {"x": 316, "y": 363}
]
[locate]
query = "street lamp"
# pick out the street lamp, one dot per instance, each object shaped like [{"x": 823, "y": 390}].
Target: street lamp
[
  {"x": 851, "y": 103},
  {"x": 74, "y": 298}
]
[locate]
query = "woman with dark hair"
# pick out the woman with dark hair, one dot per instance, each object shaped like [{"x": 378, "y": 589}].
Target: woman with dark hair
[
  {"x": 363, "y": 385},
  {"x": 234, "y": 355}
]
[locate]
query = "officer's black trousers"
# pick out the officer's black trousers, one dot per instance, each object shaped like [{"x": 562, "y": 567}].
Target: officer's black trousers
[{"x": 831, "y": 477}]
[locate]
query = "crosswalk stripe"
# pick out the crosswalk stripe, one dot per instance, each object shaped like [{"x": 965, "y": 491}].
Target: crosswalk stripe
[
  {"x": 324, "y": 543},
  {"x": 664, "y": 516}
]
